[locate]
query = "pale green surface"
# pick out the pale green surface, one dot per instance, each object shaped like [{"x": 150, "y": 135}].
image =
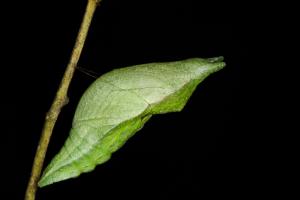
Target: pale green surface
[{"x": 118, "y": 104}]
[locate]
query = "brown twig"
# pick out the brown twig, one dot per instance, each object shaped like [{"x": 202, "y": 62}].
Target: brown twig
[{"x": 60, "y": 100}]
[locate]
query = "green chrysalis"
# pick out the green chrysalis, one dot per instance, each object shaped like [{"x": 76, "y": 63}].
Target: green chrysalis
[{"x": 118, "y": 104}]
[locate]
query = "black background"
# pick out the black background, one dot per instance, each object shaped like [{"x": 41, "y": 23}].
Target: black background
[{"x": 202, "y": 151}]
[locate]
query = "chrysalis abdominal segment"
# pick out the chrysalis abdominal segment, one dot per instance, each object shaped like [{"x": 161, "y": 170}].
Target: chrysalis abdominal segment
[{"x": 118, "y": 104}]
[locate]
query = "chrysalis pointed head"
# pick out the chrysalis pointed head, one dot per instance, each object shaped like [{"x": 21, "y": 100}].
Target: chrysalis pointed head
[{"x": 201, "y": 67}]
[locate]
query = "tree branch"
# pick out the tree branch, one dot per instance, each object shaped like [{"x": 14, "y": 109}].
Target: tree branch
[{"x": 59, "y": 101}]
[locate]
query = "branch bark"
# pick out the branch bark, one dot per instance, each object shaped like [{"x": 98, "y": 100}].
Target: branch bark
[{"x": 59, "y": 101}]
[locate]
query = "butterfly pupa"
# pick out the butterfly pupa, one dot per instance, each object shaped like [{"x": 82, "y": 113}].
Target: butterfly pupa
[{"x": 118, "y": 104}]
